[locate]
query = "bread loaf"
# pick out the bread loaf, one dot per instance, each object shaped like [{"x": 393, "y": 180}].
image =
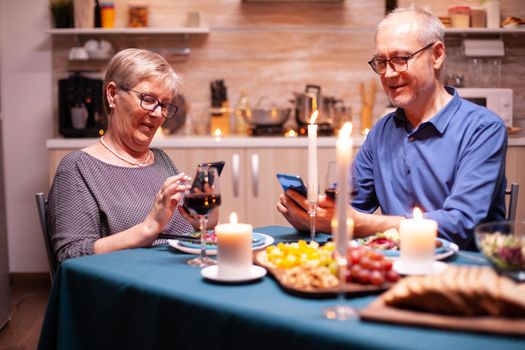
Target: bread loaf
[{"x": 460, "y": 290}]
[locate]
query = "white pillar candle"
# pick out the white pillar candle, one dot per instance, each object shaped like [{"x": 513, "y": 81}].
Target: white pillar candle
[
  {"x": 344, "y": 146},
  {"x": 418, "y": 242},
  {"x": 234, "y": 248},
  {"x": 312, "y": 159}
]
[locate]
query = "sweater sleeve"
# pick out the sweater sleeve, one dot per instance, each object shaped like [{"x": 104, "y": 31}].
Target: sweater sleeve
[{"x": 73, "y": 216}]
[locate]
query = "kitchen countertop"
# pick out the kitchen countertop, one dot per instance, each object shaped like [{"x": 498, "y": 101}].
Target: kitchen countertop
[
  {"x": 211, "y": 142},
  {"x": 226, "y": 142}
]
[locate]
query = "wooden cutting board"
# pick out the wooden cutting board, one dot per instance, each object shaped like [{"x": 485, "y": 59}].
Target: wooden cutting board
[{"x": 377, "y": 311}]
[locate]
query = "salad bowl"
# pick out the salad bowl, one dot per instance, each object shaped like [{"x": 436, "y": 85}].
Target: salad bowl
[{"x": 503, "y": 244}]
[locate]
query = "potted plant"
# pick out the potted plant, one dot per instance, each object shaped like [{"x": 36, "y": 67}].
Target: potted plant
[{"x": 62, "y": 11}]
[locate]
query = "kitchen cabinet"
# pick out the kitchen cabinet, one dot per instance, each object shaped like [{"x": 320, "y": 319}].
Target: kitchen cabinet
[
  {"x": 249, "y": 185},
  {"x": 248, "y": 182}
]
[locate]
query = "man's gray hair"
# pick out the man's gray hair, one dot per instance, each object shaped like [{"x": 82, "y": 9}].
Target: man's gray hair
[{"x": 430, "y": 27}]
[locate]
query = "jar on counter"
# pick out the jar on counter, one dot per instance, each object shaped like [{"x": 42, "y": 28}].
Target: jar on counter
[
  {"x": 459, "y": 16},
  {"x": 478, "y": 17},
  {"x": 493, "y": 13},
  {"x": 107, "y": 14},
  {"x": 138, "y": 15}
]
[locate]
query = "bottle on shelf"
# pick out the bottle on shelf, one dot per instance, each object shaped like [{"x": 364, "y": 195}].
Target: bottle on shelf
[
  {"x": 220, "y": 116},
  {"x": 242, "y": 109},
  {"x": 98, "y": 21}
]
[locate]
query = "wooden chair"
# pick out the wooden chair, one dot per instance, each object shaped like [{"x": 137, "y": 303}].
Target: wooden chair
[
  {"x": 513, "y": 201},
  {"x": 41, "y": 204}
]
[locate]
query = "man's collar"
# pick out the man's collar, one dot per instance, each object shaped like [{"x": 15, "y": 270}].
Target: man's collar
[{"x": 442, "y": 118}]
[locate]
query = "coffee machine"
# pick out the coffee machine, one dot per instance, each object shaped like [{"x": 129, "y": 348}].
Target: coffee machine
[{"x": 80, "y": 109}]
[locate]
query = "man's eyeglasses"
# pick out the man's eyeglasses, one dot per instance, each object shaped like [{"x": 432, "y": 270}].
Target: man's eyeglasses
[
  {"x": 150, "y": 102},
  {"x": 398, "y": 64}
]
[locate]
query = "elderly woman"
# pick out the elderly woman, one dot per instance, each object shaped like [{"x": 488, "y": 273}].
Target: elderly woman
[{"x": 119, "y": 193}]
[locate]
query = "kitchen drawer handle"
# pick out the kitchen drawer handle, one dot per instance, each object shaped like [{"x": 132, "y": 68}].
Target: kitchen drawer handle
[
  {"x": 236, "y": 160},
  {"x": 255, "y": 174}
]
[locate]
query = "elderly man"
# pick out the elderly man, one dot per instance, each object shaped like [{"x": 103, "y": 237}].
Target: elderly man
[{"x": 437, "y": 151}]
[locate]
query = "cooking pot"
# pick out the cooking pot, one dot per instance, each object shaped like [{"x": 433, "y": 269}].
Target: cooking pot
[
  {"x": 267, "y": 117},
  {"x": 306, "y": 103},
  {"x": 172, "y": 125}
]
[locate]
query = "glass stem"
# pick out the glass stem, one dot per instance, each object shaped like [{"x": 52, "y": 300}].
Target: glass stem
[
  {"x": 312, "y": 211},
  {"x": 203, "y": 220},
  {"x": 341, "y": 271}
]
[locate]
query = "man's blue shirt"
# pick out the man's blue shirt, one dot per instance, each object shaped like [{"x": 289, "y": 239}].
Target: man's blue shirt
[{"x": 452, "y": 167}]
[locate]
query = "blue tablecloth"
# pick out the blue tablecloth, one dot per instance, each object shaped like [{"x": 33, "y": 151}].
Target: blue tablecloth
[{"x": 150, "y": 299}]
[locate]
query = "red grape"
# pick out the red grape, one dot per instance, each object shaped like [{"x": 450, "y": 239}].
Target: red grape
[
  {"x": 367, "y": 266},
  {"x": 364, "y": 276},
  {"x": 377, "y": 278},
  {"x": 392, "y": 276}
]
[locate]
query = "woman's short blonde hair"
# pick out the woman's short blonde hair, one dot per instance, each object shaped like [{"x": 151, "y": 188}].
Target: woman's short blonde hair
[{"x": 131, "y": 66}]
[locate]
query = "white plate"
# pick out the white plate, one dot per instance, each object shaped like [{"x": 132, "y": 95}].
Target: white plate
[
  {"x": 404, "y": 269},
  {"x": 212, "y": 273},
  {"x": 452, "y": 249},
  {"x": 176, "y": 244}
]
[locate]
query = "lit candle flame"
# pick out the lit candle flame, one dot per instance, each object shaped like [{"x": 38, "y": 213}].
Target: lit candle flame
[
  {"x": 365, "y": 132},
  {"x": 314, "y": 116},
  {"x": 233, "y": 218},
  {"x": 291, "y": 133},
  {"x": 346, "y": 130},
  {"x": 418, "y": 215},
  {"x": 217, "y": 132}
]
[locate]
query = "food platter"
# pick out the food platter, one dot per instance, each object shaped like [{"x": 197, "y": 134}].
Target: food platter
[{"x": 279, "y": 275}]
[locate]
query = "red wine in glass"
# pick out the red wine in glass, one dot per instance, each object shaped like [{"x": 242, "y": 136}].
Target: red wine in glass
[
  {"x": 330, "y": 192},
  {"x": 201, "y": 203}
]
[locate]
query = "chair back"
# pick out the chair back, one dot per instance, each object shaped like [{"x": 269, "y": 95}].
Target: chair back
[
  {"x": 41, "y": 204},
  {"x": 513, "y": 201}
]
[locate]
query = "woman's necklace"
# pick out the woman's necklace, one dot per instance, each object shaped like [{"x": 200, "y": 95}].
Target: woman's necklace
[{"x": 119, "y": 156}]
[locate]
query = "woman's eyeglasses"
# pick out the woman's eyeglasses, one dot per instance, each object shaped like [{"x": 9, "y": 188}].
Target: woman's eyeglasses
[
  {"x": 398, "y": 64},
  {"x": 150, "y": 102}
]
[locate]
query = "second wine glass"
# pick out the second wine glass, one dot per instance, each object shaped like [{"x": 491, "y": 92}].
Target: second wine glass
[
  {"x": 202, "y": 199},
  {"x": 330, "y": 183}
]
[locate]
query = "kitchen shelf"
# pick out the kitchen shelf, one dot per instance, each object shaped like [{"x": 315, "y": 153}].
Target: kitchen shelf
[
  {"x": 207, "y": 30},
  {"x": 129, "y": 31},
  {"x": 292, "y": 28},
  {"x": 481, "y": 31}
]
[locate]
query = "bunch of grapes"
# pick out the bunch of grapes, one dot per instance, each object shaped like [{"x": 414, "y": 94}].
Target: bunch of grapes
[{"x": 367, "y": 266}]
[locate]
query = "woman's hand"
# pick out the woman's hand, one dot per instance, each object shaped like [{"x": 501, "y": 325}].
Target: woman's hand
[
  {"x": 294, "y": 208},
  {"x": 166, "y": 200}
]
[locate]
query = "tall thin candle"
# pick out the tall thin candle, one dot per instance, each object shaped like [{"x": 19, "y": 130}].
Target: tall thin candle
[
  {"x": 344, "y": 146},
  {"x": 312, "y": 159}
]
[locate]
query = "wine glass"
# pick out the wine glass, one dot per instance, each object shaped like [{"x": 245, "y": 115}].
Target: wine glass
[
  {"x": 341, "y": 311},
  {"x": 203, "y": 197},
  {"x": 330, "y": 182}
]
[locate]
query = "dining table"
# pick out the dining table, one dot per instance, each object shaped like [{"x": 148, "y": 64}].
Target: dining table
[{"x": 149, "y": 298}]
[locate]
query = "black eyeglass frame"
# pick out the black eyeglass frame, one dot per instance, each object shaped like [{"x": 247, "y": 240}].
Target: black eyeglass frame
[
  {"x": 375, "y": 61},
  {"x": 162, "y": 105}
]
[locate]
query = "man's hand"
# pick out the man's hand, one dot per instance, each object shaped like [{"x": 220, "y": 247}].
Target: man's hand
[{"x": 294, "y": 208}]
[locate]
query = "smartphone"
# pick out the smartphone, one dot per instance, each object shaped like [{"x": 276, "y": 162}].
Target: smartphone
[
  {"x": 293, "y": 182},
  {"x": 197, "y": 182},
  {"x": 217, "y": 165}
]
